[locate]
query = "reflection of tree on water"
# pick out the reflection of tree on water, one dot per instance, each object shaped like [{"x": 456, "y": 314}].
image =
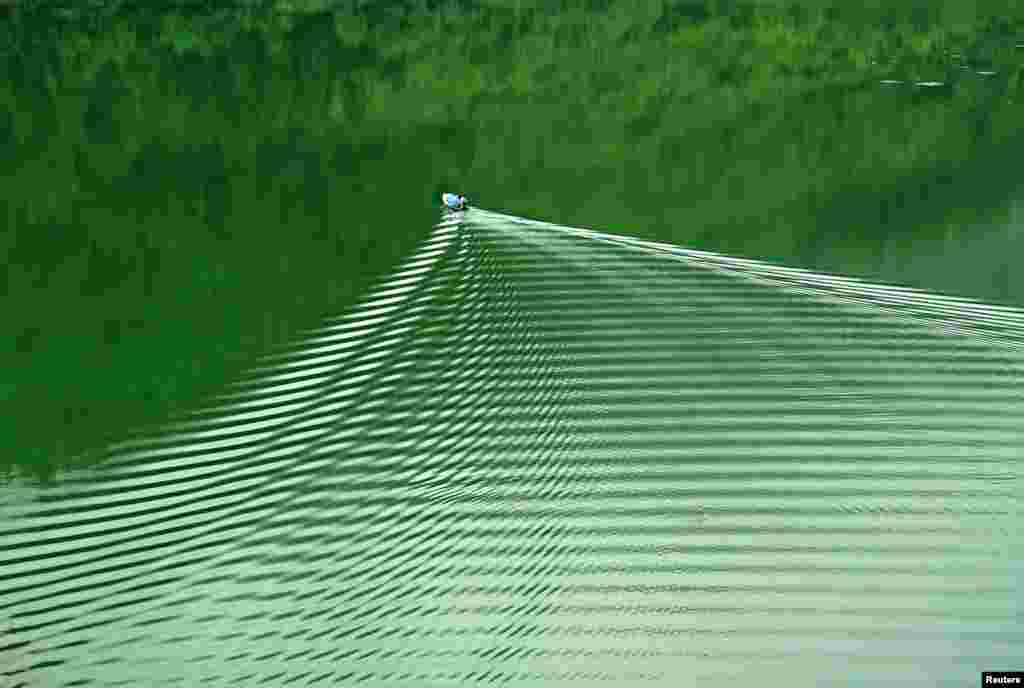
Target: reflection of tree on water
[{"x": 191, "y": 188}]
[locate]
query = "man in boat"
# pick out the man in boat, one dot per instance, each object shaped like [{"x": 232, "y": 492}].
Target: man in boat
[{"x": 453, "y": 201}]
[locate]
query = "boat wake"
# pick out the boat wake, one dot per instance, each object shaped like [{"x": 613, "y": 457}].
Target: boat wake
[{"x": 538, "y": 454}]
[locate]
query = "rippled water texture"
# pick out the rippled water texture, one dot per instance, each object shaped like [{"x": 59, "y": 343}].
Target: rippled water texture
[{"x": 541, "y": 455}]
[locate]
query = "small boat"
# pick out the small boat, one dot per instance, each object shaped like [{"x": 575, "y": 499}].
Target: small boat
[{"x": 454, "y": 201}]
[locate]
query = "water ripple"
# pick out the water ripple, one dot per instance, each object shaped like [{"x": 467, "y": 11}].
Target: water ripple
[{"x": 538, "y": 454}]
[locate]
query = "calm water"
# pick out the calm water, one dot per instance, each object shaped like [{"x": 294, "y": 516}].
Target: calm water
[{"x": 271, "y": 419}]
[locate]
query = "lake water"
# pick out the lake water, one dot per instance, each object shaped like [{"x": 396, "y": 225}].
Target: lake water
[{"x": 718, "y": 379}]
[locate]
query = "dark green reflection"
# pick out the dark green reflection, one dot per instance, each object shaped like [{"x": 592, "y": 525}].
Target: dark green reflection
[{"x": 187, "y": 189}]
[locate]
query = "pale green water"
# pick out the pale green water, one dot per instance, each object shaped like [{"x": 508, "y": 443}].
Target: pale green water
[{"x": 538, "y": 456}]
